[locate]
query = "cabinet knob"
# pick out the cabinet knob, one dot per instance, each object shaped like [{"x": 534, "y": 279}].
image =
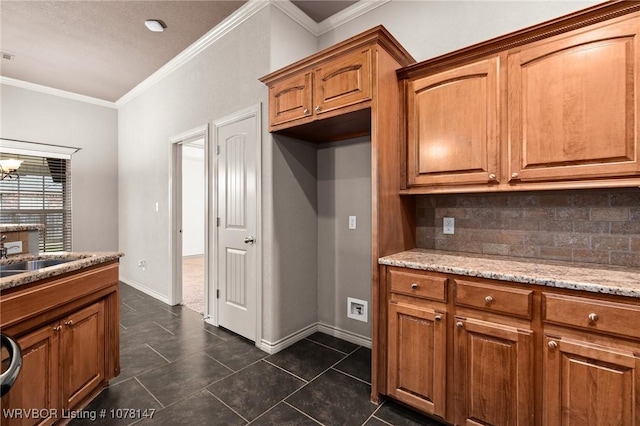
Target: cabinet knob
[
  {"x": 552, "y": 344},
  {"x": 57, "y": 328},
  {"x": 414, "y": 286},
  {"x": 492, "y": 176},
  {"x": 514, "y": 175},
  {"x": 593, "y": 317},
  {"x": 317, "y": 109},
  {"x": 68, "y": 323},
  {"x": 306, "y": 111},
  {"x": 459, "y": 324},
  {"x": 438, "y": 318},
  {"x": 489, "y": 300}
]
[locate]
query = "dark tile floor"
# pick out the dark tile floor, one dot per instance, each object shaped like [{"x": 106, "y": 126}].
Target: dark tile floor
[{"x": 186, "y": 372}]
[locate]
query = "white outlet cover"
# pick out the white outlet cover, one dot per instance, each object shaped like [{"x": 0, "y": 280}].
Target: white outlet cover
[
  {"x": 357, "y": 309},
  {"x": 448, "y": 225},
  {"x": 352, "y": 222}
]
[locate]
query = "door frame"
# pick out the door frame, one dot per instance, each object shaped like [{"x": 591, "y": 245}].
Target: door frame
[
  {"x": 175, "y": 212},
  {"x": 252, "y": 111}
]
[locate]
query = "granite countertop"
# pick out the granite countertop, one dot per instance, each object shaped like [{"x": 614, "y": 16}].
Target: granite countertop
[
  {"x": 587, "y": 277},
  {"x": 76, "y": 260},
  {"x": 20, "y": 227}
]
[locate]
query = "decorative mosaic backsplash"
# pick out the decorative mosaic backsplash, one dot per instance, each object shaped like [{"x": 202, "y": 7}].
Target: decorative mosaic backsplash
[{"x": 594, "y": 226}]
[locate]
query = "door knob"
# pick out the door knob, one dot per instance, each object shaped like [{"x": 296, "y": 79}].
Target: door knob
[{"x": 249, "y": 240}]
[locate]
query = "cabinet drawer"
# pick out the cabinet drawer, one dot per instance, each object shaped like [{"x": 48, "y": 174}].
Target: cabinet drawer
[
  {"x": 605, "y": 316},
  {"x": 419, "y": 285},
  {"x": 510, "y": 301}
]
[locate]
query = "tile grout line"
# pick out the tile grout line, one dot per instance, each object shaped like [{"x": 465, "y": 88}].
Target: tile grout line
[
  {"x": 348, "y": 375},
  {"x": 286, "y": 371},
  {"x": 302, "y": 412},
  {"x": 223, "y": 403},
  {"x": 332, "y": 348},
  {"x": 168, "y": 331},
  {"x": 163, "y": 357},
  {"x": 134, "y": 310},
  {"x": 150, "y": 393},
  {"x": 373, "y": 415}
]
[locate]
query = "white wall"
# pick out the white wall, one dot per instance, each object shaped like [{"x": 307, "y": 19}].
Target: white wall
[
  {"x": 220, "y": 80},
  {"x": 344, "y": 255},
  {"x": 430, "y": 28},
  {"x": 193, "y": 196},
  {"x": 37, "y": 117}
]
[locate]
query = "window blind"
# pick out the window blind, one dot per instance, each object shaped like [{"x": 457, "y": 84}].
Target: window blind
[{"x": 40, "y": 195}]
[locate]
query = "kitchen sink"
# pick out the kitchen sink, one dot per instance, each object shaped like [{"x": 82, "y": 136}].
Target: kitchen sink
[{"x": 29, "y": 265}]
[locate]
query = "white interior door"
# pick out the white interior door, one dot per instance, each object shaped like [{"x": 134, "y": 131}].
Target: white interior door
[{"x": 238, "y": 237}]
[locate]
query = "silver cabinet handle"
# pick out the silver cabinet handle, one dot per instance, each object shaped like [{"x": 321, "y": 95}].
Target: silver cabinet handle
[
  {"x": 460, "y": 324},
  {"x": 593, "y": 317},
  {"x": 489, "y": 300},
  {"x": 317, "y": 109},
  {"x": 492, "y": 176},
  {"x": 414, "y": 286},
  {"x": 514, "y": 175},
  {"x": 306, "y": 111},
  {"x": 552, "y": 345},
  {"x": 438, "y": 318},
  {"x": 249, "y": 240}
]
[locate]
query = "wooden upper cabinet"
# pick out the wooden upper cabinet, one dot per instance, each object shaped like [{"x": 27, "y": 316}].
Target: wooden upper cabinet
[
  {"x": 453, "y": 126},
  {"x": 572, "y": 105},
  {"x": 343, "y": 81},
  {"x": 334, "y": 84},
  {"x": 548, "y": 107},
  {"x": 290, "y": 99}
]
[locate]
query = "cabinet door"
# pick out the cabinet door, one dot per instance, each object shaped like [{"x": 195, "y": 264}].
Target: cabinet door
[
  {"x": 35, "y": 391},
  {"x": 452, "y": 120},
  {"x": 344, "y": 81},
  {"x": 572, "y": 105},
  {"x": 290, "y": 99},
  {"x": 416, "y": 365},
  {"x": 83, "y": 349},
  {"x": 493, "y": 374},
  {"x": 590, "y": 385}
]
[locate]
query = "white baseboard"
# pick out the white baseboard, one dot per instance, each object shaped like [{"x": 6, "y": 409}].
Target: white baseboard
[
  {"x": 146, "y": 290},
  {"x": 285, "y": 342},
  {"x": 349, "y": 336}
]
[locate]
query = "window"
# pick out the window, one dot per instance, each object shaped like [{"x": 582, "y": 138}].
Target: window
[{"x": 41, "y": 194}]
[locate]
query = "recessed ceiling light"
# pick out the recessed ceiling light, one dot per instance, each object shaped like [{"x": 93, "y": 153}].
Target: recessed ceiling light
[{"x": 155, "y": 25}]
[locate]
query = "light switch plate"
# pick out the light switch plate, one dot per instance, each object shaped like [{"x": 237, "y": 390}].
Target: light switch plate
[{"x": 352, "y": 222}]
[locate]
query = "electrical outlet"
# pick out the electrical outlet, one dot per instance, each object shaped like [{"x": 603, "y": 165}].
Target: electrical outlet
[
  {"x": 448, "y": 225},
  {"x": 357, "y": 309},
  {"x": 142, "y": 264}
]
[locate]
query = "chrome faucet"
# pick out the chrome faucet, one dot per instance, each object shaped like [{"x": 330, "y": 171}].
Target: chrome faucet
[{"x": 3, "y": 249}]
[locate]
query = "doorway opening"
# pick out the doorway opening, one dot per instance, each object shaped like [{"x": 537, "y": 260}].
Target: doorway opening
[{"x": 189, "y": 222}]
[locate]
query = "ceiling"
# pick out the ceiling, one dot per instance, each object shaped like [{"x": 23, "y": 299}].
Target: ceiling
[{"x": 102, "y": 49}]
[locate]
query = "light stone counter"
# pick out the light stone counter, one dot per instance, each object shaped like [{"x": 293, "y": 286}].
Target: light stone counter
[
  {"x": 593, "y": 278},
  {"x": 20, "y": 227},
  {"x": 77, "y": 260}
]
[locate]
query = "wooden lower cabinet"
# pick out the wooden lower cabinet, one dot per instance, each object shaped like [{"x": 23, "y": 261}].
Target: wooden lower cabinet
[
  {"x": 493, "y": 369},
  {"x": 417, "y": 357},
  {"x": 36, "y": 387},
  {"x": 590, "y": 384},
  {"x": 82, "y": 353},
  {"x": 476, "y": 351},
  {"x": 67, "y": 328}
]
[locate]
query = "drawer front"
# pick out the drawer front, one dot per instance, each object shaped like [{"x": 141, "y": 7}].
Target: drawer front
[
  {"x": 492, "y": 298},
  {"x": 591, "y": 314},
  {"x": 420, "y": 285}
]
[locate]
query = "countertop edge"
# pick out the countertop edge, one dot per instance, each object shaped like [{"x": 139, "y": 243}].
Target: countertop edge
[
  {"x": 477, "y": 267},
  {"x": 80, "y": 260}
]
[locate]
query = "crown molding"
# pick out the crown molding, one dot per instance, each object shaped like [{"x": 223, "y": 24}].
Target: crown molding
[
  {"x": 348, "y": 14},
  {"x": 56, "y": 92},
  {"x": 332, "y": 22},
  {"x": 294, "y": 12},
  {"x": 232, "y": 21}
]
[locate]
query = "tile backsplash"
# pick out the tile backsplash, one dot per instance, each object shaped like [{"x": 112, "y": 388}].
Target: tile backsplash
[{"x": 595, "y": 226}]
